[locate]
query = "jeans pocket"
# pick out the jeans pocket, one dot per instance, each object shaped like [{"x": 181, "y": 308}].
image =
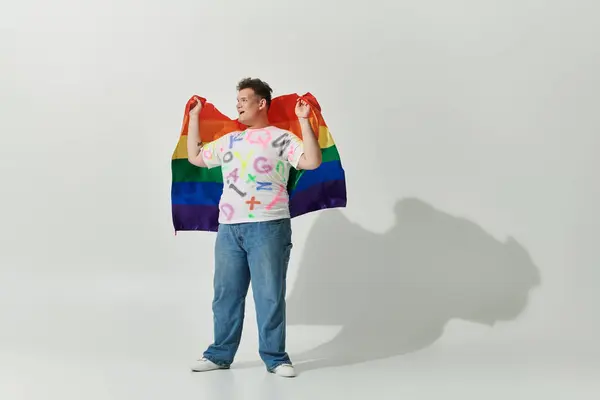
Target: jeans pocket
[{"x": 280, "y": 227}]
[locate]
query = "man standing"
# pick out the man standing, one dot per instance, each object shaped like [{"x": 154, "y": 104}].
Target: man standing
[{"x": 254, "y": 238}]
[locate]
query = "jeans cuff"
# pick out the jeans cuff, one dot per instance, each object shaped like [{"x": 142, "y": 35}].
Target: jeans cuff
[{"x": 221, "y": 364}]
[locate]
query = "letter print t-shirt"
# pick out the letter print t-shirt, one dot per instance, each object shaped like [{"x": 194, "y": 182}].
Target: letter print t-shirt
[{"x": 256, "y": 166}]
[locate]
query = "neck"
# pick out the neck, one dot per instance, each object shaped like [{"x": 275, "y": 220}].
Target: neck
[{"x": 261, "y": 122}]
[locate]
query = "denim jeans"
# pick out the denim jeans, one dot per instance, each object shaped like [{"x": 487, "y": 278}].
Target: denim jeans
[{"x": 257, "y": 253}]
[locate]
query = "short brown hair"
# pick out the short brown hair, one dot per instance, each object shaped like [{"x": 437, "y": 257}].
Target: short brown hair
[{"x": 260, "y": 88}]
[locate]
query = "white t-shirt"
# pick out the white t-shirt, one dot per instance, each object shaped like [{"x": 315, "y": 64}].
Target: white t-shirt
[{"x": 256, "y": 166}]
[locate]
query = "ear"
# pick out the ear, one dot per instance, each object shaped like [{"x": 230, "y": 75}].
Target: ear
[{"x": 262, "y": 103}]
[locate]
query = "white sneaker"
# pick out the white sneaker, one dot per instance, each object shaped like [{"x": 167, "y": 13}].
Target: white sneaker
[
  {"x": 203, "y": 365},
  {"x": 285, "y": 370}
]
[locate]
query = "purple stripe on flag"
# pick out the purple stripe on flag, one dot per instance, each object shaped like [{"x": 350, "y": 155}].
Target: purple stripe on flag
[
  {"x": 331, "y": 194},
  {"x": 190, "y": 217}
]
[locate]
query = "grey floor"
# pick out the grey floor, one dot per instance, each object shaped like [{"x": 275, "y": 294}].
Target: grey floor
[
  {"x": 401, "y": 328},
  {"x": 433, "y": 374}
]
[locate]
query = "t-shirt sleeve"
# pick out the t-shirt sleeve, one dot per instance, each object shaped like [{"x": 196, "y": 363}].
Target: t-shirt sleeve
[
  {"x": 212, "y": 153},
  {"x": 295, "y": 150}
]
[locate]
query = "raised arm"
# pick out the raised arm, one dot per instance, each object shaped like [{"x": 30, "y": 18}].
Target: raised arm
[
  {"x": 193, "y": 137},
  {"x": 312, "y": 158}
]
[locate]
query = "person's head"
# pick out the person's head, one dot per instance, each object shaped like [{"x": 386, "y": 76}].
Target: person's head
[{"x": 253, "y": 101}]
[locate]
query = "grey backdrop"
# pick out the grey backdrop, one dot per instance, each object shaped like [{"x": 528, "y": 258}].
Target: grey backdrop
[{"x": 466, "y": 262}]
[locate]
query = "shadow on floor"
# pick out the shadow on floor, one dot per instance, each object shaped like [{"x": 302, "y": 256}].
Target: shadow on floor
[{"x": 393, "y": 293}]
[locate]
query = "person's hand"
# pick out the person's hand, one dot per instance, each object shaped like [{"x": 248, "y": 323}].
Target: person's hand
[
  {"x": 195, "y": 111},
  {"x": 302, "y": 109}
]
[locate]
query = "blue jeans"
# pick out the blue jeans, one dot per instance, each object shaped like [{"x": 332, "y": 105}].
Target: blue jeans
[{"x": 256, "y": 253}]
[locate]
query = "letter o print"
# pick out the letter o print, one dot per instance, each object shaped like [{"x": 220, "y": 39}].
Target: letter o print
[{"x": 228, "y": 157}]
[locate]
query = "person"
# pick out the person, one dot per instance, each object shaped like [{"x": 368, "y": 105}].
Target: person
[{"x": 254, "y": 237}]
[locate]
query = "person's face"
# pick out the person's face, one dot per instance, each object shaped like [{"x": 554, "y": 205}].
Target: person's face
[{"x": 249, "y": 106}]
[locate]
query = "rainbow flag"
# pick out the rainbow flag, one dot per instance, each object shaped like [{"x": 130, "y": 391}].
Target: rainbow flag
[{"x": 196, "y": 191}]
